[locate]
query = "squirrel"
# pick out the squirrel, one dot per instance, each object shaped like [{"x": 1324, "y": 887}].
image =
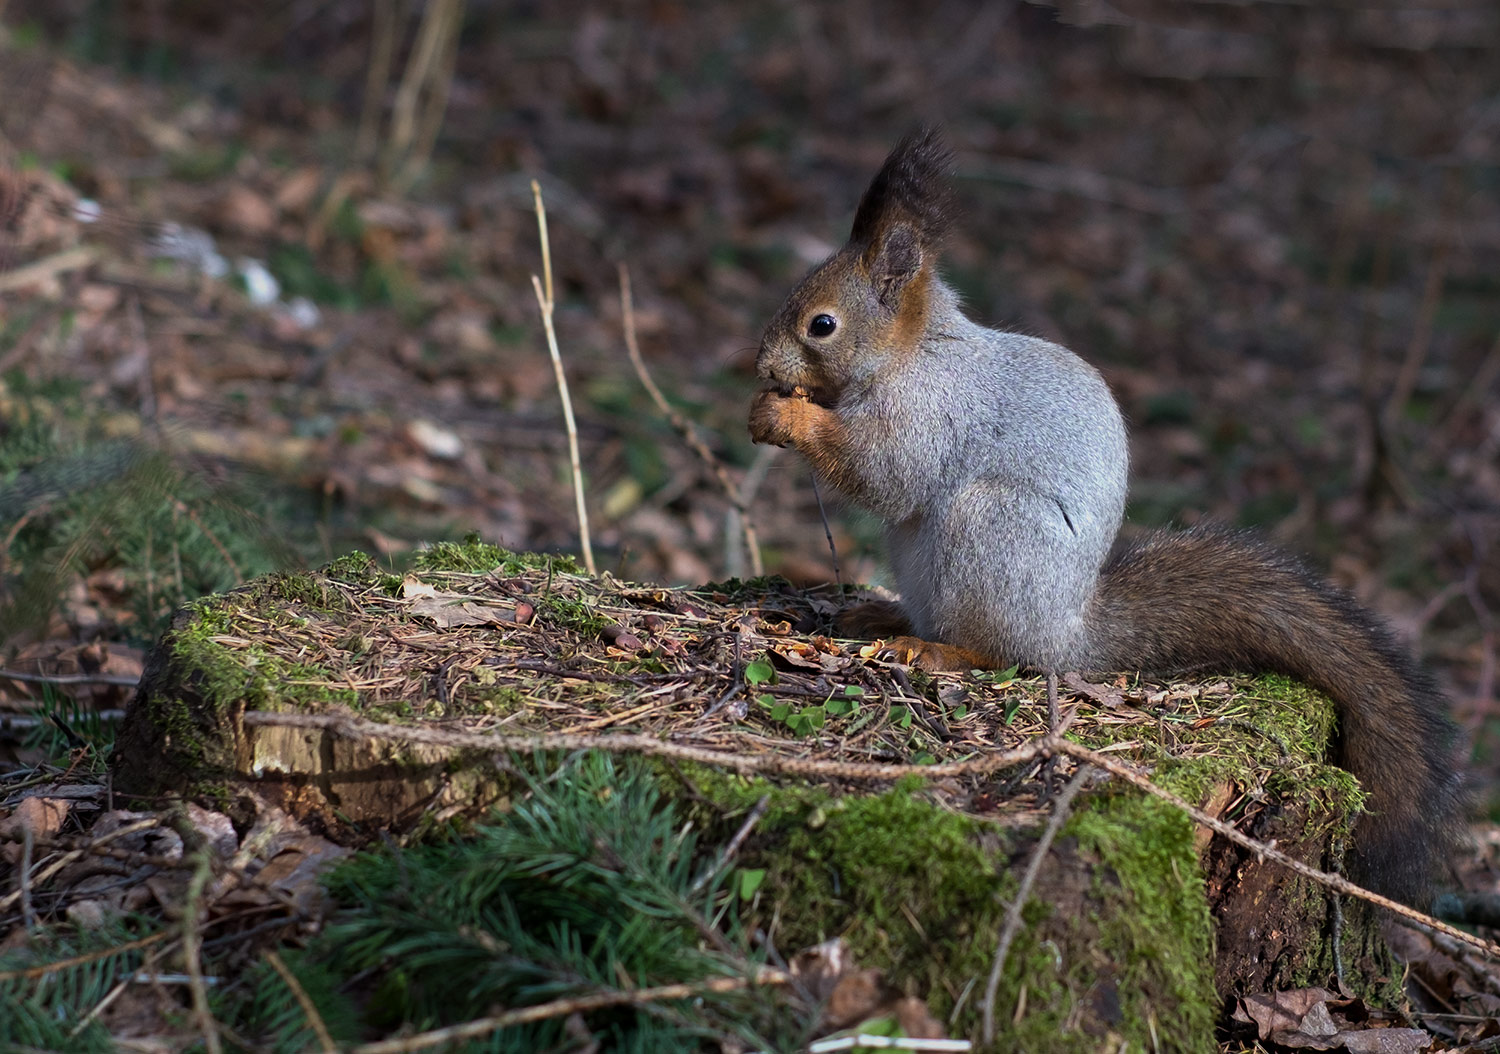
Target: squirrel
[{"x": 998, "y": 463}]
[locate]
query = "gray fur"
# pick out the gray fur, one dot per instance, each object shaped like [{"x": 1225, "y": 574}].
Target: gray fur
[{"x": 1000, "y": 517}]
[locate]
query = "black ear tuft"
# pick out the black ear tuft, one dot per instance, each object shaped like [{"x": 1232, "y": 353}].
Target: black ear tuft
[{"x": 912, "y": 189}]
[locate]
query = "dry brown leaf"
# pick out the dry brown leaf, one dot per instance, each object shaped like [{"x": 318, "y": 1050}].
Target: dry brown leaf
[
  {"x": 1108, "y": 696},
  {"x": 454, "y": 609},
  {"x": 43, "y": 817},
  {"x": 1305, "y": 1019}
]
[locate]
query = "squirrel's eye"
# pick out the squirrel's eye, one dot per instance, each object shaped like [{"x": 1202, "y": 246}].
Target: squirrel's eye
[{"x": 822, "y": 326}]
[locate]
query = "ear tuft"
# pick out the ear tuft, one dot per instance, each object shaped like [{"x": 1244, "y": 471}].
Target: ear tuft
[{"x": 911, "y": 189}]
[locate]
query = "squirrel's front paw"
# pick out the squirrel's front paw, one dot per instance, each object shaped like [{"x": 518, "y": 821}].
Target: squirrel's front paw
[{"x": 781, "y": 419}]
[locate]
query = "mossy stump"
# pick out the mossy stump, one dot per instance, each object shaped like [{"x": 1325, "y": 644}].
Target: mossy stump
[{"x": 1139, "y": 928}]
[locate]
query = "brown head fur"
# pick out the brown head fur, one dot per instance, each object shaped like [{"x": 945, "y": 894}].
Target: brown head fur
[{"x": 875, "y": 289}]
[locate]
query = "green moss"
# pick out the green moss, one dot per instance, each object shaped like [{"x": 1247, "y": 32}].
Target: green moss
[
  {"x": 571, "y": 612},
  {"x": 310, "y": 590},
  {"x": 222, "y": 669},
  {"x": 1154, "y": 950},
  {"x": 912, "y": 888},
  {"x": 354, "y": 568},
  {"x": 921, "y": 893},
  {"x": 471, "y": 556}
]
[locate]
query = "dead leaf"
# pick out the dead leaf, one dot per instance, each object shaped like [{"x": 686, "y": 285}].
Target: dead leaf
[
  {"x": 1106, "y": 695},
  {"x": 43, "y": 817},
  {"x": 454, "y": 609},
  {"x": 1312, "y": 1019}
]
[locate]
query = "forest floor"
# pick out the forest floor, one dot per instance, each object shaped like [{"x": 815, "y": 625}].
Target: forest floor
[{"x": 234, "y": 336}]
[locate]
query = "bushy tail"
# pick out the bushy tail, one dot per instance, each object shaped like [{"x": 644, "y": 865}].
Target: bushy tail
[{"x": 1218, "y": 599}]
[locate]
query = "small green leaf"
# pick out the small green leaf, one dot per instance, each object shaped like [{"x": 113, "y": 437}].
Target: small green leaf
[
  {"x": 780, "y": 711},
  {"x": 807, "y": 720},
  {"x": 960, "y": 712},
  {"x": 839, "y": 707},
  {"x": 760, "y": 672},
  {"x": 766, "y": 699},
  {"x": 1010, "y": 711},
  {"x": 750, "y": 879},
  {"x": 901, "y": 717},
  {"x": 854, "y": 691}
]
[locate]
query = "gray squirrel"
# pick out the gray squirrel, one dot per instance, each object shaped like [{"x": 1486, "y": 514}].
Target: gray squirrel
[{"x": 998, "y": 463}]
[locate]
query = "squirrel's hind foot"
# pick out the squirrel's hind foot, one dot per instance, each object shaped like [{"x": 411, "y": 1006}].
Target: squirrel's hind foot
[
  {"x": 934, "y": 657},
  {"x": 887, "y": 620}
]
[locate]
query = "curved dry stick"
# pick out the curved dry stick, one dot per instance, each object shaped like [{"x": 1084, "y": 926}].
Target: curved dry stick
[
  {"x": 685, "y": 428},
  {"x": 763, "y": 975}
]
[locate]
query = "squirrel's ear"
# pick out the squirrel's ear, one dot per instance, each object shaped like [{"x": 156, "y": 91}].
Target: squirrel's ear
[
  {"x": 911, "y": 188},
  {"x": 905, "y": 213},
  {"x": 893, "y": 260}
]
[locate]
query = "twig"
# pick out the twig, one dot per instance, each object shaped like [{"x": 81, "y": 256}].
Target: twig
[
  {"x": 629, "y": 743},
  {"x": 78, "y": 854},
  {"x": 833, "y": 550},
  {"x": 425, "y": 67},
  {"x": 1421, "y": 338},
  {"x": 23, "y": 878},
  {"x": 1476, "y": 391},
  {"x": 1081, "y": 182},
  {"x": 684, "y": 426},
  {"x": 31, "y": 973},
  {"x": 48, "y": 267},
  {"x": 1053, "y": 743},
  {"x": 547, "y": 304},
  {"x": 110, "y": 996},
  {"x": 314, "y": 1018},
  {"x": 69, "y": 678},
  {"x": 763, "y": 975},
  {"x": 438, "y": 88},
  {"x": 382, "y": 48},
  {"x": 733, "y": 845},
  {"x": 234, "y": 568},
  {"x": 192, "y": 940},
  {"x": 1265, "y": 851},
  {"x": 1060, "y": 810}
]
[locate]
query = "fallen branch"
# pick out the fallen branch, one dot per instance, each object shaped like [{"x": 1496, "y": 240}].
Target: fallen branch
[
  {"x": 69, "y": 678},
  {"x": 628, "y": 743}
]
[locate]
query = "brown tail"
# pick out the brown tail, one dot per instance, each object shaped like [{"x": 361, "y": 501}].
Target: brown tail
[{"x": 1215, "y": 598}]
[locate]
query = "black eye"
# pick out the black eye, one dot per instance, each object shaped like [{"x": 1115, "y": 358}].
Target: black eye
[{"x": 822, "y": 326}]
